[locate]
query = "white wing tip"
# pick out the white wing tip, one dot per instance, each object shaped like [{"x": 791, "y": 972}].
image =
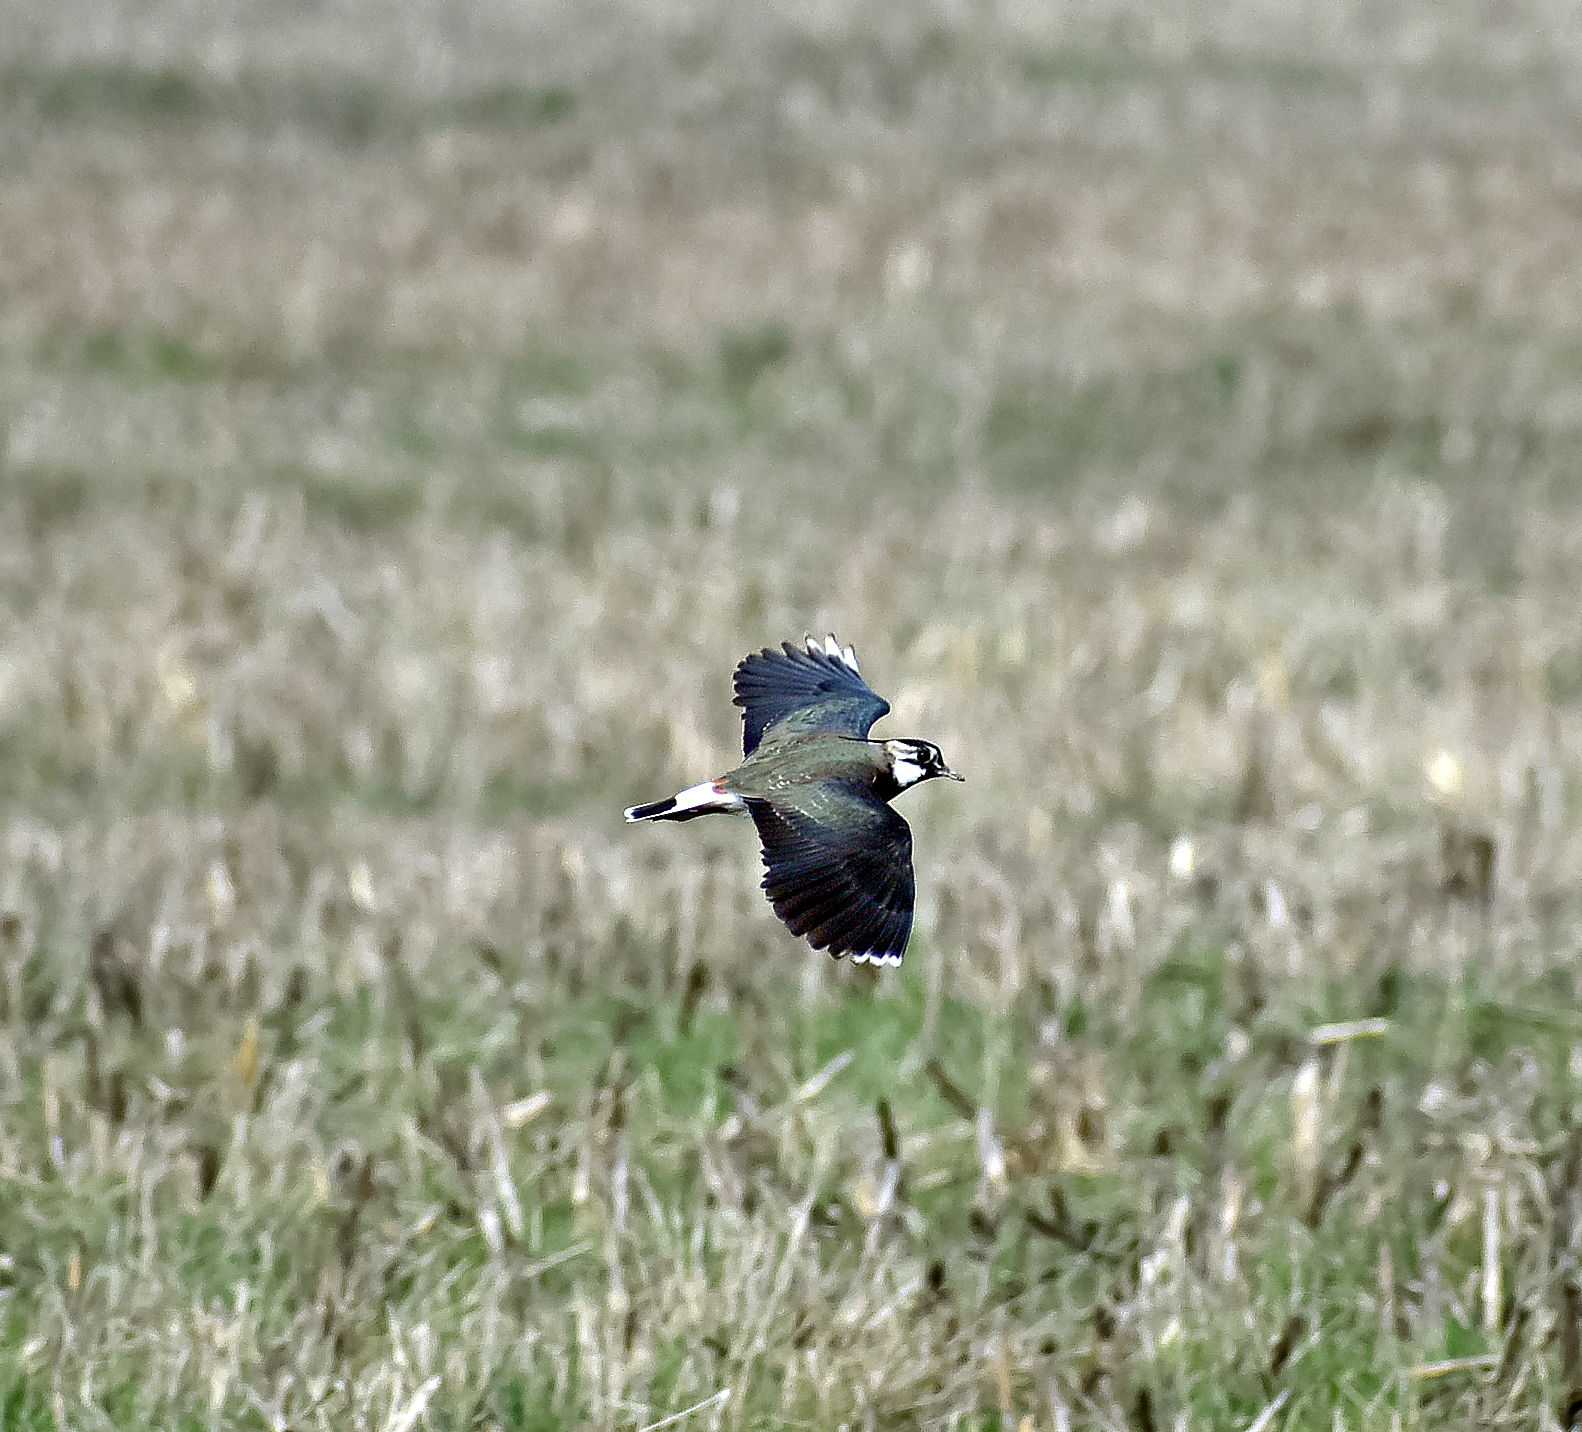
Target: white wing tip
[
  {"x": 832, "y": 648},
  {"x": 876, "y": 957}
]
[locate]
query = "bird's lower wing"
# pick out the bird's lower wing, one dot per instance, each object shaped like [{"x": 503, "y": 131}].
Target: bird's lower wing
[{"x": 848, "y": 890}]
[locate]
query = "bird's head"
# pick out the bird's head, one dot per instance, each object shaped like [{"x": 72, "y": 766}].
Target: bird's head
[{"x": 914, "y": 761}]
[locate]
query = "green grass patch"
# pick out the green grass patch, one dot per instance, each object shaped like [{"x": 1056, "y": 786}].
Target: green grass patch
[
  {"x": 363, "y": 507},
  {"x": 149, "y": 356},
  {"x": 345, "y": 110}
]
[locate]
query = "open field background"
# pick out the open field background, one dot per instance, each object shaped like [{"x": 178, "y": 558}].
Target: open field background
[{"x": 408, "y": 415}]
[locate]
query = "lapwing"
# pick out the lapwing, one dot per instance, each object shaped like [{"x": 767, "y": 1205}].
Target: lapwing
[{"x": 838, "y": 859}]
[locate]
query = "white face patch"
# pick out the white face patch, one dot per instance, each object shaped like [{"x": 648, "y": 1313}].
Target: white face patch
[{"x": 906, "y": 772}]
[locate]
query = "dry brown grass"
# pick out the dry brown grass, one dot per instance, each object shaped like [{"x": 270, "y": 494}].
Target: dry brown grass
[{"x": 409, "y": 415}]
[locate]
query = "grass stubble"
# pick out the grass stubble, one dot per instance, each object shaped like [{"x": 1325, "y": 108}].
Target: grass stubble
[{"x": 394, "y": 467}]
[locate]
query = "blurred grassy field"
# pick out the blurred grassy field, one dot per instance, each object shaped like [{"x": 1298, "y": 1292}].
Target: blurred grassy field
[{"x": 408, "y": 416}]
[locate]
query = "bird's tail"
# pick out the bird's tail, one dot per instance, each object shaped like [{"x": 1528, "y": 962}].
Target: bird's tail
[{"x": 704, "y": 799}]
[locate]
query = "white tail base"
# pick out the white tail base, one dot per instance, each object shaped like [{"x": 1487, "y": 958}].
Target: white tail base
[{"x": 707, "y": 796}]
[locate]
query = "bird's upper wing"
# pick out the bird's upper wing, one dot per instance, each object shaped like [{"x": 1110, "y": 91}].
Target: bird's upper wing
[
  {"x": 839, "y": 871},
  {"x": 797, "y": 691}
]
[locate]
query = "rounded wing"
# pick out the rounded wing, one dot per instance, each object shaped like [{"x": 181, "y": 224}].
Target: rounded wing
[
  {"x": 816, "y": 689},
  {"x": 841, "y": 878}
]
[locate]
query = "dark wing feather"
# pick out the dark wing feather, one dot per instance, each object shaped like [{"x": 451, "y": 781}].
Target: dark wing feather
[
  {"x": 846, "y": 887},
  {"x": 807, "y": 690}
]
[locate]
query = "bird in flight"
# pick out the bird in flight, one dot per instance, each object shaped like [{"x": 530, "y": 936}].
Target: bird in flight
[{"x": 837, "y": 858}]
